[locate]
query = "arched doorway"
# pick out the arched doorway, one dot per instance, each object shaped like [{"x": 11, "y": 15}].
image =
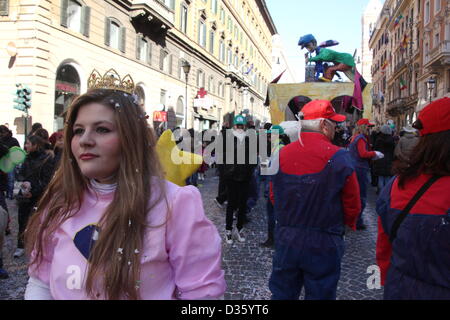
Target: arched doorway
[{"x": 67, "y": 88}]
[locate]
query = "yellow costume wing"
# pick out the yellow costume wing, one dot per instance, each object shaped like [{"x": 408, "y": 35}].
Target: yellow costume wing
[{"x": 178, "y": 165}]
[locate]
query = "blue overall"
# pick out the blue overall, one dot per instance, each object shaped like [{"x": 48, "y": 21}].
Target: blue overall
[
  {"x": 309, "y": 231},
  {"x": 362, "y": 170},
  {"x": 420, "y": 262}
]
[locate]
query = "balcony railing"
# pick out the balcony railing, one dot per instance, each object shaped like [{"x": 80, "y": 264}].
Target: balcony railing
[
  {"x": 442, "y": 49},
  {"x": 398, "y": 102}
]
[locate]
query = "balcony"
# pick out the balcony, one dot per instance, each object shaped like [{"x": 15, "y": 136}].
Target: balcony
[
  {"x": 399, "y": 66},
  {"x": 155, "y": 12},
  {"x": 399, "y": 106},
  {"x": 439, "y": 55}
]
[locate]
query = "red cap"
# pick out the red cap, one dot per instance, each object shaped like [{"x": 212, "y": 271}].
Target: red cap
[
  {"x": 364, "y": 121},
  {"x": 321, "y": 109},
  {"x": 435, "y": 117}
]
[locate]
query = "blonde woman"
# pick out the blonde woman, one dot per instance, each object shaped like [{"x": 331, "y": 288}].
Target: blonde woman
[
  {"x": 109, "y": 226},
  {"x": 359, "y": 150}
]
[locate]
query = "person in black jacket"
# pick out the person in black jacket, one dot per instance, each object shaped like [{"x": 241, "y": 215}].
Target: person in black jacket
[
  {"x": 7, "y": 139},
  {"x": 35, "y": 174},
  {"x": 222, "y": 189},
  {"x": 383, "y": 168},
  {"x": 237, "y": 175}
]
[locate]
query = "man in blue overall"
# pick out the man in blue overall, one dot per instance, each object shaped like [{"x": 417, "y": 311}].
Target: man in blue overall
[{"x": 316, "y": 194}]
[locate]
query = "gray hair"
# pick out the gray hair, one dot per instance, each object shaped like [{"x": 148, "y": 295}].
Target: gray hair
[{"x": 311, "y": 125}]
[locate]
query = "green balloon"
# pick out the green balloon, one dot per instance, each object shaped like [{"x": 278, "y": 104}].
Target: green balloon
[{"x": 14, "y": 157}]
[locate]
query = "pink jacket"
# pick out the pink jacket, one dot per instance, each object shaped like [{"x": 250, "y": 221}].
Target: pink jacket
[{"x": 179, "y": 260}]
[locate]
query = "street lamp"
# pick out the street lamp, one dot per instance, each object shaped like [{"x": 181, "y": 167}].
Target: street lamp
[
  {"x": 186, "y": 68},
  {"x": 431, "y": 83}
]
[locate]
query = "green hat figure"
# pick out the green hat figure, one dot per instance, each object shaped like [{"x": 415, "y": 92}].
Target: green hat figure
[
  {"x": 239, "y": 119},
  {"x": 274, "y": 128}
]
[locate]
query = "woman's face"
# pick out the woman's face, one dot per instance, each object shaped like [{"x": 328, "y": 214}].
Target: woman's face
[
  {"x": 29, "y": 147},
  {"x": 95, "y": 143}
]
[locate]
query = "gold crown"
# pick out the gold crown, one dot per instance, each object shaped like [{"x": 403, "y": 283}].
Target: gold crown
[{"x": 111, "y": 80}]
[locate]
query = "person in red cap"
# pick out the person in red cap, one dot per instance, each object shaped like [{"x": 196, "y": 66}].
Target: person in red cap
[
  {"x": 413, "y": 246},
  {"x": 359, "y": 150},
  {"x": 316, "y": 194}
]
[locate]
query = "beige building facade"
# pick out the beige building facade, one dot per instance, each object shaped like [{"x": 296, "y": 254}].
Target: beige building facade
[{"x": 228, "y": 45}]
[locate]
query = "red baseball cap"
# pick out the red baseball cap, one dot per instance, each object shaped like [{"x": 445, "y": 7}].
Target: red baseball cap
[
  {"x": 318, "y": 109},
  {"x": 434, "y": 118},
  {"x": 364, "y": 121}
]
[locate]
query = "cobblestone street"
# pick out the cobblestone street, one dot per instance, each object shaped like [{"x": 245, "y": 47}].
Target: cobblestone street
[{"x": 247, "y": 265}]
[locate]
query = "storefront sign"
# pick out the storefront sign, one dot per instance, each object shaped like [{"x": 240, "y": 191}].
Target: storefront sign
[
  {"x": 65, "y": 87},
  {"x": 160, "y": 116}
]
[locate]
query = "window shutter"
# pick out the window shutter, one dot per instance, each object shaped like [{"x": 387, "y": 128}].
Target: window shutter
[
  {"x": 123, "y": 39},
  {"x": 107, "y": 31},
  {"x": 170, "y": 65},
  {"x": 162, "y": 54},
  {"x": 85, "y": 20},
  {"x": 149, "y": 59},
  {"x": 64, "y": 7},
  {"x": 138, "y": 47}
]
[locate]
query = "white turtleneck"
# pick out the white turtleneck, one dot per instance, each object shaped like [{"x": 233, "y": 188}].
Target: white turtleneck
[{"x": 103, "y": 188}]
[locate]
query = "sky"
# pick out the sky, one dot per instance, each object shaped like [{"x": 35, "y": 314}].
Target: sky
[{"x": 338, "y": 20}]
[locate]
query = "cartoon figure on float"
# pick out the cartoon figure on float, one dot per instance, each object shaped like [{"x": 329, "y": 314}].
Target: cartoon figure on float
[
  {"x": 350, "y": 98},
  {"x": 342, "y": 61}
]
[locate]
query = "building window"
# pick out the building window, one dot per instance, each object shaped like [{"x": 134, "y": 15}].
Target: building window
[
  {"x": 200, "y": 79},
  {"x": 220, "y": 89},
  {"x": 163, "y": 59},
  {"x": 4, "y": 7},
  {"x": 143, "y": 50},
  {"x": 214, "y": 6},
  {"x": 169, "y": 4},
  {"x": 222, "y": 15},
  {"x": 229, "y": 56},
  {"x": 75, "y": 16},
  {"x": 222, "y": 51},
  {"x": 437, "y": 5},
  {"x": 211, "y": 41},
  {"x": 162, "y": 97},
  {"x": 427, "y": 12},
  {"x": 202, "y": 33},
  {"x": 183, "y": 18},
  {"x": 114, "y": 34}
]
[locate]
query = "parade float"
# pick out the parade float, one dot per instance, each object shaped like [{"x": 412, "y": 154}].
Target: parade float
[{"x": 350, "y": 98}]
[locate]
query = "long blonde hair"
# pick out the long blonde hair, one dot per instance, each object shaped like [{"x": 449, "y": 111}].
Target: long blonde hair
[{"x": 124, "y": 222}]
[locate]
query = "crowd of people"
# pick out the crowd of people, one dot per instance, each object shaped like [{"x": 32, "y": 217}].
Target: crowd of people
[
  {"x": 33, "y": 176},
  {"x": 92, "y": 205}
]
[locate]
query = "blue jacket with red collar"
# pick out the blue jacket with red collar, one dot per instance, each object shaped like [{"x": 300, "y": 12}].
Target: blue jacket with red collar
[
  {"x": 417, "y": 264},
  {"x": 316, "y": 186}
]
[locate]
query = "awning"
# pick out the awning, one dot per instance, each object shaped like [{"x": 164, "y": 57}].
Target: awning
[{"x": 204, "y": 117}]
